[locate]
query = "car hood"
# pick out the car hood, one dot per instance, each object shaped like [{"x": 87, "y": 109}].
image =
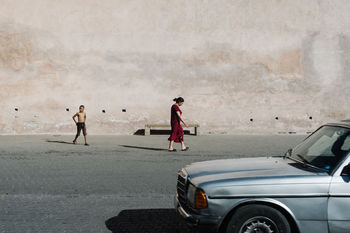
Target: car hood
[{"x": 261, "y": 170}]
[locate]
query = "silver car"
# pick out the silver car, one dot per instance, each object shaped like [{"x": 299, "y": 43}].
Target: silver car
[{"x": 305, "y": 191}]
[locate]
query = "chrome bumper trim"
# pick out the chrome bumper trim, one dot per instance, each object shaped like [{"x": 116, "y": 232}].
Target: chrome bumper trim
[{"x": 189, "y": 218}]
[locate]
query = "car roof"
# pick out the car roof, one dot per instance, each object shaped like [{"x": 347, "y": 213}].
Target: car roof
[{"x": 343, "y": 123}]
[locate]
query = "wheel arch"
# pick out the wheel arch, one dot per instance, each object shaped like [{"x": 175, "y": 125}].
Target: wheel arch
[{"x": 268, "y": 202}]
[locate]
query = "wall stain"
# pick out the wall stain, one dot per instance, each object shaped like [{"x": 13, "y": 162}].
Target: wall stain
[
  {"x": 288, "y": 63},
  {"x": 15, "y": 50}
]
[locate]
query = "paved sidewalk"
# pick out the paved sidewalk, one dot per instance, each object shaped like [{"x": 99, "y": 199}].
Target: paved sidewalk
[{"x": 50, "y": 185}]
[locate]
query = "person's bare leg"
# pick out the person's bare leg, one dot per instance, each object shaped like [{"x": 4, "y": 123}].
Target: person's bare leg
[
  {"x": 85, "y": 138},
  {"x": 75, "y": 139},
  {"x": 171, "y": 145},
  {"x": 183, "y": 147},
  {"x": 77, "y": 135}
]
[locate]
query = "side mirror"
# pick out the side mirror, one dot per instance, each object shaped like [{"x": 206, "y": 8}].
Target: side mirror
[
  {"x": 288, "y": 153},
  {"x": 346, "y": 170}
]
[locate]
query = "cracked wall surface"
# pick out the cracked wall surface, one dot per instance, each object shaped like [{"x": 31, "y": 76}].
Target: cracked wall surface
[{"x": 243, "y": 66}]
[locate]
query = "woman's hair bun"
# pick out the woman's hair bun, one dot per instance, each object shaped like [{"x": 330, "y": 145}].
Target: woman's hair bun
[{"x": 179, "y": 100}]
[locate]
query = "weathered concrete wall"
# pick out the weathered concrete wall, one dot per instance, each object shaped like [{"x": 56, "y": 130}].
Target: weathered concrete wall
[{"x": 232, "y": 61}]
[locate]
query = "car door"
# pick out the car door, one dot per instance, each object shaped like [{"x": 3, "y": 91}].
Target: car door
[{"x": 339, "y": 198}]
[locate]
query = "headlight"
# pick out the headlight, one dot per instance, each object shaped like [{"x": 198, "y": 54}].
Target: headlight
[
  {"x": 197, "y": 197},
  {"x": 191, "y": 193}
]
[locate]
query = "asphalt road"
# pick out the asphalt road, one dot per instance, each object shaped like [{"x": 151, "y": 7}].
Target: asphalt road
[{"x": 118, "y": 183}]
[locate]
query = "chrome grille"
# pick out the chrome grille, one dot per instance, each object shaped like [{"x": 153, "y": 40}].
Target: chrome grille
[
  {"x": 181, "y": 190},
  {"x": 182, "y": 185}
]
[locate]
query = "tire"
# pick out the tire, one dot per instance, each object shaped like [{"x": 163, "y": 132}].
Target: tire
[{"x": 258, "y": 219}]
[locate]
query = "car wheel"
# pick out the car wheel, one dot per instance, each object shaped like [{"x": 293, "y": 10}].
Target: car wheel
[{"x": 258, "y": 219}]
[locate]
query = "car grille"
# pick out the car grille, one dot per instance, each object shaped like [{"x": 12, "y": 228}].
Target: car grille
[
  {"x": 181, "y": 190},
  {"x": 181, "y": 193}
]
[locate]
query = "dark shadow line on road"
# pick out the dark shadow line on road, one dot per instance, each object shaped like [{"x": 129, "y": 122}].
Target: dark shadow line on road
[
  {"x": 63, "y": 142},
  {"x": 144, "y": 148},
  {"x": 149, "y": 220}
]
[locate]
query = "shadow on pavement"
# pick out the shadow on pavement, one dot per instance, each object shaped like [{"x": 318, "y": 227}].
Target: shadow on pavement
[
  {"x": 63, "y": 142},
  {"x": 145, "y": 148},
  {"x": 148, "y": 220}
]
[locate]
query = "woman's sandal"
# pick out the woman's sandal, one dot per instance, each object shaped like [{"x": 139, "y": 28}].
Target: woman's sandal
[
  {"x": 174, "y": 150},
  {"x": 186, "y": 149}
]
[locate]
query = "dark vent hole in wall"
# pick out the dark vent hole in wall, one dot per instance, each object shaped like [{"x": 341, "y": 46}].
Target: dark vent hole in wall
[
  {"x": 67, "y": 109},
  {"x": 16, "y": 109},
  {"x": 310, "y": 118},
  {"x": 251, "y": 119},
  {"x": 103, "y": 111},
  {"x": 276, "y": 118},
  {"x": 123, "y": 110}
]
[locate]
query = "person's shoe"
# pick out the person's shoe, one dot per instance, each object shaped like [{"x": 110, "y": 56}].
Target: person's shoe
[
  {"x": 74, "y": 142},
  {"x": 87, "y": 144},
  {"x": 186, "y": 149},
  {"x": 173, "y": 150}
]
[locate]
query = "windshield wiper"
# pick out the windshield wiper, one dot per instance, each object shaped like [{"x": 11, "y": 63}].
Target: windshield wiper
[
  {"x": 303, "y": 159},
  {"x": 288, "y": 155},
  {"x": 307, "y": 163}
]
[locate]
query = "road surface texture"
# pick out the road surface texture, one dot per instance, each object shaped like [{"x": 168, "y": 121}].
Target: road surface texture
[{"x": 118, "y": 183}]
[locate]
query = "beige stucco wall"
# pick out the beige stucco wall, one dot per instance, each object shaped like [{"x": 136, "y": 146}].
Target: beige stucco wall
[{"x": 232, "y": 61}]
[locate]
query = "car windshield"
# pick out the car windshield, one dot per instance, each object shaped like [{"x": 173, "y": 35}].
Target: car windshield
[{"x": 324, "y": 149}]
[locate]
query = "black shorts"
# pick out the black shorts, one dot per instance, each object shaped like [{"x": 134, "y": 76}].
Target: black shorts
[{"x": 81, "y": 126}]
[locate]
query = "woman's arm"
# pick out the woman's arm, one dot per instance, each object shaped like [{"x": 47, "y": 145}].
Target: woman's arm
[{"x": 181, "y": 119}]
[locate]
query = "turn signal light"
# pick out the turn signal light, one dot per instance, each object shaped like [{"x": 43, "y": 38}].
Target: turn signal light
[{"x": 200, "y": 199}]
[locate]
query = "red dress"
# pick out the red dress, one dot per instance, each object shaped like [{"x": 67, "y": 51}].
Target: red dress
[{"x": 177, "y": 132}]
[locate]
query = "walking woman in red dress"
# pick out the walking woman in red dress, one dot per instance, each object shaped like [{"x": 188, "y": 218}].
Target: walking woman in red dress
[{"x": 177, "y": 133}]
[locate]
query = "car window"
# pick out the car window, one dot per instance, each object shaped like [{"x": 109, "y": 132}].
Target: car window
[
  {"x": 346, "y": 145},
  {"x": 324, "y": 148}
]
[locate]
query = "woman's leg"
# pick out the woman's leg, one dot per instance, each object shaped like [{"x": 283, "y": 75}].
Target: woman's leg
[
  {"x": 171, "y": 144},
  {"x": 183, "y": 147}
]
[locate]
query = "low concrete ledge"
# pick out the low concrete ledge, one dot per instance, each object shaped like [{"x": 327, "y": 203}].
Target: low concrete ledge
[{"x": 148, "y": 128}]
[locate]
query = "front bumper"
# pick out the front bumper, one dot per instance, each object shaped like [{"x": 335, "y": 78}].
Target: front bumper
[
  {"x": 196, "y": 220},
  {"x": 190, "y": 219}
]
